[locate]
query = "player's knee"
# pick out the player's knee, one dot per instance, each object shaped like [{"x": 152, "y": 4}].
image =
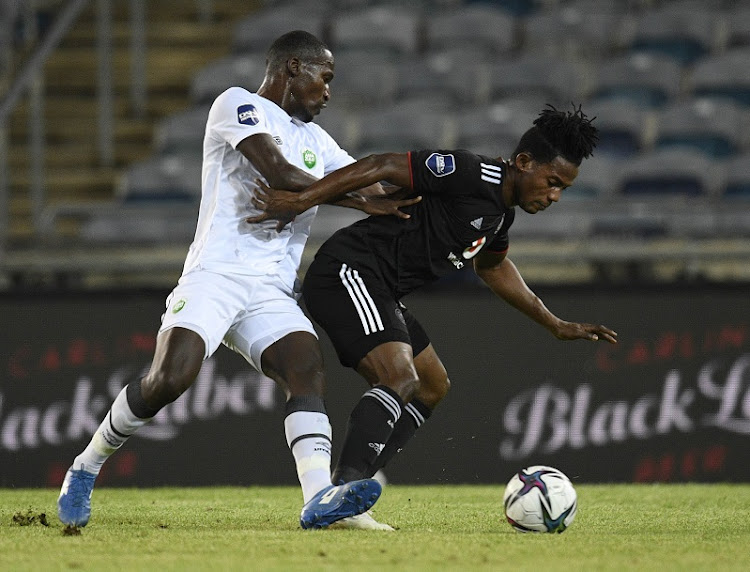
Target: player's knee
[
  {"x": 162, "y": 387},
  {"x": 433, "y": 393},
  {"x": 408, "y": 388}
]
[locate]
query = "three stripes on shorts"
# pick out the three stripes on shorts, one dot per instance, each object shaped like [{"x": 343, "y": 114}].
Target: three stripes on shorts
[{"x": 363, "y": 302}]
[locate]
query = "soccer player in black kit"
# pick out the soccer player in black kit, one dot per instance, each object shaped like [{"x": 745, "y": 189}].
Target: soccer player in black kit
[{"x": 354, "y": 286}]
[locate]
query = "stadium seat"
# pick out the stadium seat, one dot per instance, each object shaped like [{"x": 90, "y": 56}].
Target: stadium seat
[
  {"x": 645, "y": 79},
  {"x": 737, "y": 21},
  {"x": 664, "y": 173},
  {"x": 175, "y": 178},
  {"x": 518, "y": 8},
  {"x": 401, "y": 129},
  {"x": 182, "y": 132},
  {"x": 623, "y": 126},
  {"x": 571, "y": 32},
  {"x": 494, "y": 130},
  {"x": 736, "y": 180},
  {"x": 533, "y": 75},
  {"x": 389, "y": 29},
  {"x": 256, "y": 32},
  {"x": 479, "y": 26},
  {"x": 339, "y": 124},
  {"x": 725, "y": 76},
  {"x": 716, "y": 128},
  {"x": 245, "y": 70},
  {"x": 463, "y": 74},
  {"x": 363, "y": 79},
  {"x": 597, "y": 178},
  {"x": 683, "y": 30}
]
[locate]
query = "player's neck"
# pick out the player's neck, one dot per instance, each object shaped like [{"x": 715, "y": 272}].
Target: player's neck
[{"x": 509, "y": 184}]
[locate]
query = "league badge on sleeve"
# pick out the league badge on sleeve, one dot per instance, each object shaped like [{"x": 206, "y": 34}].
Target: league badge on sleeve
[
  {"x": 441, "y": 165},
  {"x": 248, "y": 115}
]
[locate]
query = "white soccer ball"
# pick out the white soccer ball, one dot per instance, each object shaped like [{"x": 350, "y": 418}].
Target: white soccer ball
[{"x": 540, "y": 499}]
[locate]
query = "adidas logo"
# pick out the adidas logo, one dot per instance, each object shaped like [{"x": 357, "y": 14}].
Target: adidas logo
[
  {"x": 391, "y": 424},
  {"x": 477, "y": 223},
  {"x": 377, "y": 446}
]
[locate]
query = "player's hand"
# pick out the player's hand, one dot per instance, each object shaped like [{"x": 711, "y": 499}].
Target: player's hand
[
  {"x": 275, "y": 204},
  {"x": 385, "y": 204},
  {"x": 593, "y": 332}
]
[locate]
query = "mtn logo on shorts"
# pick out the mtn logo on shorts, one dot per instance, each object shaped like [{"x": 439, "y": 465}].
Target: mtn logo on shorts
[
  {"x": 441, "y": 165},
  {"x": 248, "y": 115}
]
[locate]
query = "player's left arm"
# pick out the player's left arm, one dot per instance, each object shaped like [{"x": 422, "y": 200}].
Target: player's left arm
[
  {"x": 504, "y": 279},
  {"x": 391, "y": 167}
]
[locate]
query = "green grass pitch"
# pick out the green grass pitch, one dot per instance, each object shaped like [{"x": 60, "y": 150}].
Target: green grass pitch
[{"x": 618, "y": 527}]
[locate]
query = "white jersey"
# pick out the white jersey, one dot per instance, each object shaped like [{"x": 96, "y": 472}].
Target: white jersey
[{"x": 224, "y": 242}]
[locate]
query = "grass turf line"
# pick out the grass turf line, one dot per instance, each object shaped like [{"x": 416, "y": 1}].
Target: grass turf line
[{"x": 618, "y": 527}]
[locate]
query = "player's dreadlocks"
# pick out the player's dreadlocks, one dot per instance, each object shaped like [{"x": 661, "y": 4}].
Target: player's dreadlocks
[{"x": 568, "y": 134}]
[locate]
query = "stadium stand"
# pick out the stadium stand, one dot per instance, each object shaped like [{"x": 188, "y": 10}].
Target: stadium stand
[
  {"x": 476, "y": 26},
  {"x": 671, "y": 93},
  {"x": 254, "y": 33},
  {"x": 645, "y": 79},
  {"x": 673, "y": 30},
  {"x": 714, "y": 127},
  {"x": 625, "y": 128},
  {"x": 215, "y": 77},
  {"x": 725, "y": 75},
  {"x": 680, "y": 173},
  {"x": 575, "y": 32},
  {"x": 462, "y": 73}
]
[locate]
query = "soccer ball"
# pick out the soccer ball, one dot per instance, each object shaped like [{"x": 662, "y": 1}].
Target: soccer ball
[{"x": 540, "y": 499}]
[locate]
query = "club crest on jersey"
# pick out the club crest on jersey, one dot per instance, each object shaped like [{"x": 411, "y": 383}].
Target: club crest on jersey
[
  {"x": 441, "y": 165},
  {"x": 309, "y": 158},
  {"x": 475, "y": 247},
  {"x": 248, "y": 115}
]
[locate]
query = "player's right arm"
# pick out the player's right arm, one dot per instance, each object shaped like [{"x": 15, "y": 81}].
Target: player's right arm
[
  {"x": 504, "y": 279},
  {"x": 278, "y": 204},
  {"x": 263, "y": 152}
]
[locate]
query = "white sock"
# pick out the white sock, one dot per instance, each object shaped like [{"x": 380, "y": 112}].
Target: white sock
[
  {"x": 308, "y": 434},
  {"x": 118, "y": 425}
]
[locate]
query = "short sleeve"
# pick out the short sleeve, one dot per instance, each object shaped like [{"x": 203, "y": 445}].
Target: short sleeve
[
  {"x": 443, "y": 172},
  {"x": 335, "y": 157},
  {"x": 500, "y": 242},
  {"x": 235, "y": 115}
]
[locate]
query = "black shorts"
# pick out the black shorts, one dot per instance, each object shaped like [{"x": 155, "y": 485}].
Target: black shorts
[{"x": 354, "y": 307}]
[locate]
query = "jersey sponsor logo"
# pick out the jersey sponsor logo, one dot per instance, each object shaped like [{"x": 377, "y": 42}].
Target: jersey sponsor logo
[
  {"x": 309, "y": 158},
  {"x": 179, "y": 305},
  {"x": 477, "y": 223},
  {"x": 453, "y": 259},
  {"x": 491, "y": 173},
  {"x": 441, "y": 165},
  {"x": 248, "y": 115},
  {"x": 475, "y": 247}
]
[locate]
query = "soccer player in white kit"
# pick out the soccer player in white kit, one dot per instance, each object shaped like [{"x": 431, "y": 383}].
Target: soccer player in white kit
[{"x": 238, "y": 285}]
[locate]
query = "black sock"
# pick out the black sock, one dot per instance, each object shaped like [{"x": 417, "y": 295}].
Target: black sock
[
  {"x": 415, "y": 414},
  {"x": 137, "y": 404},
  {"x": 371, "y": 424}
]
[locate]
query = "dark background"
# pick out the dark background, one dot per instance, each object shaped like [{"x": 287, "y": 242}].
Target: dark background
[{"x": 670, "y": 402}]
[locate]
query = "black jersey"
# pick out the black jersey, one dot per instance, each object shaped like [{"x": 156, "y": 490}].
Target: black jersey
[{"x": 461, "y": 212}]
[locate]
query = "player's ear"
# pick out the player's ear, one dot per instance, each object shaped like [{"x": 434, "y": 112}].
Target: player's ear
[
  {"x": 524, "y": 161},
  {"x": 293, "y": 66}
]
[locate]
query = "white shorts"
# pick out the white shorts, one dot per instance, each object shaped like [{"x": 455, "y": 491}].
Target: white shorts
[{"x": 245, "y": 313}]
